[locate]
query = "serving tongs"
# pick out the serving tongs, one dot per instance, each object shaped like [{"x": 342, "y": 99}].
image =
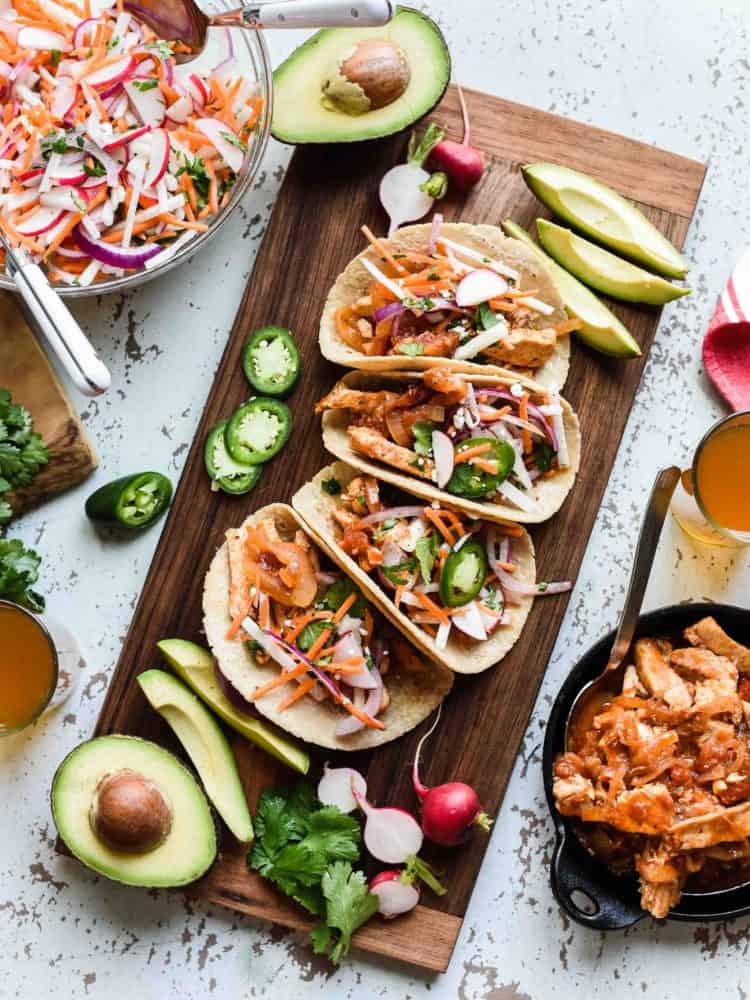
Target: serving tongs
[
  {"x": 184, "y": 22},
  {"x": 49, "y": 317}
]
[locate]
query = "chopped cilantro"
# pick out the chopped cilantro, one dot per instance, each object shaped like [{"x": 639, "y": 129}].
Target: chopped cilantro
[
  {"x": 55, "y": 56},
  {"x": 163, "y": 48},
  {"x": 385, "y": 527},
  {"x": 96, "y": 171},
  {"x": 311, "y": 633},
  {"x": 544, "y": 454},
  {"x": 234, "y": 141},
  {"x": 145, "y": 85},
  {"x": 422, "y": 432},
  {"x": 113, "y": 43},
  {"x": 331, "y": 486},
  {"x": 426, "y": 551}
]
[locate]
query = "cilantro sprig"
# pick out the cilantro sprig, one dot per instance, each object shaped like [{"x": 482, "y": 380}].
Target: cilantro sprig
[
  {"x": 307, "y": 850},
  {"x": 22, "y": 455}
]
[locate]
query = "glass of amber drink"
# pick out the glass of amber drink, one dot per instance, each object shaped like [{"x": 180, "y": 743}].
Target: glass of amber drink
[
  {"x": 715, "y": 505},
  {"x": 28, "y": 668}
]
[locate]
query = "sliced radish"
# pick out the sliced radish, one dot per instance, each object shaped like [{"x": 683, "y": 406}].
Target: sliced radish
[
  {"x": 30, "y": 175},
  {"x": 335, "y": 787},
  {"x": 395, "y": 895},
  {"x": 480, "y": 286},
  {"x": 197, "y": 89},
  {"x": 125, "y": 137},
  {"x": 158, "y": 159},
  {"x": 117, "y": 72},
  {"x": 64, "y": 97},
  {"x": 469, "y": 621},
  {"x": 41, "y": 221},
  {"x": 43, "y": 39},
  {"x": 180, "y": 111},
  {"x": 71, "y": 173},
  {"x": 149, "y": 105},
  {"x": 223, "y": 139},
  {"x": 445, "y": 457},
  {"x": 390, "y": 835}
]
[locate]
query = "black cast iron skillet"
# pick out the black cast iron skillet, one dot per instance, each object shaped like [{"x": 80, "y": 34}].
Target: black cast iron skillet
[{"x": 579, "y": 879}]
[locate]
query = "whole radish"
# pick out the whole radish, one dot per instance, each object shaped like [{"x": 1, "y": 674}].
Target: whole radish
[
  {"x": 449, "y": 811},
  {"x": 463, "y": 164}
]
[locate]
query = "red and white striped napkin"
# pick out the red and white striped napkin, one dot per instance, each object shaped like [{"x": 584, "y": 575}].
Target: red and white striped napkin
[{"x": 726, "y": 346}]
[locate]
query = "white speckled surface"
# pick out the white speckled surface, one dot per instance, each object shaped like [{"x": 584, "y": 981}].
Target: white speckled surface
[{"x": 675, "y": 73}]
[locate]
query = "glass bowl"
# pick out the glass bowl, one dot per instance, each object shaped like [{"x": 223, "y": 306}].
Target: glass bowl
[{"x": 251, "y": 54}]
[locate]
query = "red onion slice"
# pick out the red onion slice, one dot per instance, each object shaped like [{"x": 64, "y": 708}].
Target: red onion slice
[
  {"x": 371, "y": 707},
  {"x": 391, "y": 512},
  {"x": 130, "y": 258}
]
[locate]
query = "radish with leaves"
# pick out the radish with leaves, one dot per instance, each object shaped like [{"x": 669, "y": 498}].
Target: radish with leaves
[
  {"x": 449, "y": 811},
  {"x": 463, "y": 164},
  {"x": 408, "y": 191},
  {"x": 396, "y": 891}
]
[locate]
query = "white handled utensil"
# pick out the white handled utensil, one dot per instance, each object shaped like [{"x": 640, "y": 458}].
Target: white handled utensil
[
  {"x": 183, "y": 21},
  {"x": 50, "y": 317}
]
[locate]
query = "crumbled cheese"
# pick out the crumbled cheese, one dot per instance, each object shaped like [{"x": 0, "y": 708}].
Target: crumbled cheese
[{"x": 517, "y": 390}]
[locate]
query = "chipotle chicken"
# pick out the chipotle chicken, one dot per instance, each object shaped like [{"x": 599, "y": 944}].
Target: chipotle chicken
[{"x": 660, "y": 781}]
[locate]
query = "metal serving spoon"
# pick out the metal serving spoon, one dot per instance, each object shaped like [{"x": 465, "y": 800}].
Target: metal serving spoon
[
  {"x": 48, "y": 315},
  {"x": 610, "y": 680},
  {"x": 183, "y": 21}
]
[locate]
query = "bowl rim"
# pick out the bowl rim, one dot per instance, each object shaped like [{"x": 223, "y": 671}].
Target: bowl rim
[
  {"x": 621, "y": 891},
  {"x": 257, "y": 49}
]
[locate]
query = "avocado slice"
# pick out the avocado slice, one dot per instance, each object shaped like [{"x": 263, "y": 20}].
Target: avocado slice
[
  {"x": 311, "y": 92},
  {"x": 195, "y": 666},
  {"x": 144, "y": 846},
  {"x": 601, "y": 329},
  {"x": 605, "y": 216},
  {"x": 603, "y": 270},
  {"x": 206, "y": 745}
]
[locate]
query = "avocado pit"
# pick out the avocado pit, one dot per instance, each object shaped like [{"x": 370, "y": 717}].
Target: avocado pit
[
  {"x": 371, "y": 76},
  {"x": 130, "y": 813}
]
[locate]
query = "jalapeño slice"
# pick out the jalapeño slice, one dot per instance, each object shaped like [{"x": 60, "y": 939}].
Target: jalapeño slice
[
  {"x": 271, "y": 361},
  {"x": 230, "y": 476},
  {"x": 473, "y": 482},
  {"x": 258, "y": 430},
  {"x": 463, "y": 574}
]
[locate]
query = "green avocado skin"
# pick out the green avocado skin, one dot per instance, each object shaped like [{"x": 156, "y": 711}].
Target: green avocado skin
[
  {"x": 603, "y": 270},
  {"x": 601, "y": 330},
  {"x": 599, "y": 212},
  {"x": 300, "y": 116},
  {"x": 195, "y": 666}
]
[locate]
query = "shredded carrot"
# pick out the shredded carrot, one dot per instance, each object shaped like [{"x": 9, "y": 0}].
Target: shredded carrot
[
  {"x": 434, "y": 518},
  {"x": 305, "y": 687},
  {"x": 344, "y": 607},
  {"x": 237, "y": 621},
  {"x": 362, "y": 716},
  {"x": 433, "y": 608},
  {"x": 569, "y": 325},
  {"x": 284, "y": 678},
  {"x": 489, "y": 467},
  {"x": 523, "y": 412},
  {"x": 303, "y": 621},
  {"x": 399, "y": 595},
  {"x": 314, "y": 651},
  {"x": 383, "y": 251},
  {"x": 476, "y": 451}
]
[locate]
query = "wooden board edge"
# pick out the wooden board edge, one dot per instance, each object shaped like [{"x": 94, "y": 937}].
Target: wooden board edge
[
  {"x": 436, "y": 932},
  {"x": 678, "y": 193}
]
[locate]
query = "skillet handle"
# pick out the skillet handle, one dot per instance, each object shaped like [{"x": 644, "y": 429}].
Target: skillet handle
[{"x": 569, "y": 876}]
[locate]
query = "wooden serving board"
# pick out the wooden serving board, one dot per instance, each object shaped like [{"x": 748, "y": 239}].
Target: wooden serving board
[
  {"x": 328, "y": 193},
  {"x": 27, "y": 373}
]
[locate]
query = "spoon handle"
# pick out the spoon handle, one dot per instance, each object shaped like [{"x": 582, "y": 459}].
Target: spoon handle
[
  {"x": 316, "y": 14},
  {"x": 653, "y": 521}
]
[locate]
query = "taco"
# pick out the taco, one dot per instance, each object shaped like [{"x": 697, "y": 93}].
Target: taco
[
  {"x": 453, "y": 295},
  {"x": 459, "y": 588},
  {"x": 299, "y": 640},
  {"x": 493, "y": 446}
]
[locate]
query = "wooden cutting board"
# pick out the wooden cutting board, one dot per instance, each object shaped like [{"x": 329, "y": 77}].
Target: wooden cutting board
[
  {"x": 27, "y": 373},
  {"x": 327, "y": 195}
]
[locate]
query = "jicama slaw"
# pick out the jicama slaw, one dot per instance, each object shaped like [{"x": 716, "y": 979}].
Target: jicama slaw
[
  {"x": 471, "y": 438},
  {"x": 447, "y": 300},
  {"x": 111, "y": 157},
  {"x": 449, "y": 574},
  {"x": 314, "y": 625}
]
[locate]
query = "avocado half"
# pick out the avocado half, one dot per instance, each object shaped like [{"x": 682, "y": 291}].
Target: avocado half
[
  {"x": 158, "y": 825},
  {"x": 303, "y": 114}
]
